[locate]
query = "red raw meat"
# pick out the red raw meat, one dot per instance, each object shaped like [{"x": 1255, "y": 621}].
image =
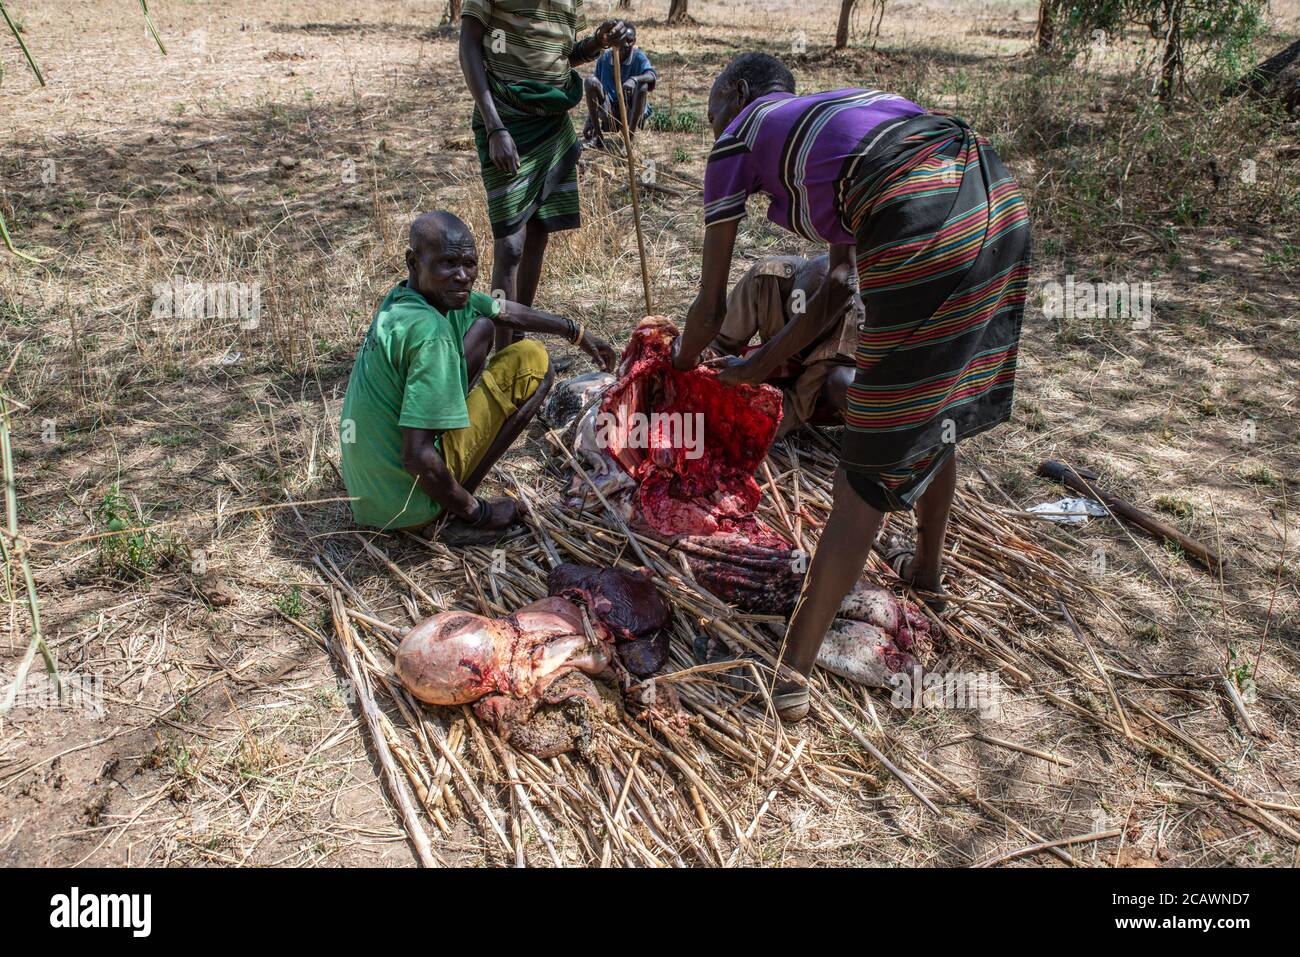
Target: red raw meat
[
  {"x": 705, "y": 505},
  {"x": 678, "y": 495},
  {"x": 627, "y": 603}
]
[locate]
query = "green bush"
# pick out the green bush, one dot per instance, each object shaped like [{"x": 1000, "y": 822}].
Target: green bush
[
  {"x": 138, "y": 549},
  {"x": 676, "y": 121}
]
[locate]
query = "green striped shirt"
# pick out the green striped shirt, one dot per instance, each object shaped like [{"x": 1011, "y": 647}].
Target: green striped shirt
[{"x": 528, "y": 39}]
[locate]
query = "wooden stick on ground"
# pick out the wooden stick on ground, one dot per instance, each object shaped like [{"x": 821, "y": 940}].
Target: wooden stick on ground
[
  {"x": 631, "y": 180},
  {"x": 1082, "y": 481},
  {"x": 370, "y": 711},
  {"x": 871, "y": 749},
  {"x": 1230, "y": 686},
  {"x": 1034, "y": 752},
  {"x": 1096, "y": 663},
  {"x": 1047, "y": 845}
]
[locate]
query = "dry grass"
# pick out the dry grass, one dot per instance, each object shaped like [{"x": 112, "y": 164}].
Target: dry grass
[{"x": 230, "y": 736}]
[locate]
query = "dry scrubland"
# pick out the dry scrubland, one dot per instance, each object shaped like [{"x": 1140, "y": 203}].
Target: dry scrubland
[{"x": 226, "y": 739}]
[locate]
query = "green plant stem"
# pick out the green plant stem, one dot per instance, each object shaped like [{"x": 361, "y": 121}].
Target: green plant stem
[
  {"x": 152, "y": 31},
  {"x": 9, "y": 243},
  {"x": 27, "y": 53},
  {"x": 19, "y": 552}
]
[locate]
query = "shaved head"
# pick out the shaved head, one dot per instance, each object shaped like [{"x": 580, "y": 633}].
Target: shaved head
[
  {"x": 442, "y": 262},
  {"x": 431, "y": 231}
]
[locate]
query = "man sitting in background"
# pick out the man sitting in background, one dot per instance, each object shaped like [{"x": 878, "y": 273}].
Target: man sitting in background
[
  {"x": 417, "y": 435},
  {"x": 772, "y": 296},
  {"x": 637, "y": 78}
]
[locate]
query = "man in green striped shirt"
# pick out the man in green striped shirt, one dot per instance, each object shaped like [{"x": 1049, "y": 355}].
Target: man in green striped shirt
[{"x": 518, "y": 57}]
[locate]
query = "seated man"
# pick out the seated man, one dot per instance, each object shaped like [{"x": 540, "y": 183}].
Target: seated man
[
  {"x": 415, "y": 438},
  {"x": 637, "y": 77},
  {"x": 776, "y": 293}
]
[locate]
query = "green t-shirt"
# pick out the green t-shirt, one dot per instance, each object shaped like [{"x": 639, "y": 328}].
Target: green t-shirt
[{"x": 409, "y": 373}]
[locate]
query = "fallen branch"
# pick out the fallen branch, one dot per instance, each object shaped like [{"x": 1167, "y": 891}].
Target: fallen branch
[
  {"x": 1048, "y": 845},
  {"x": 370, "y": 711}
]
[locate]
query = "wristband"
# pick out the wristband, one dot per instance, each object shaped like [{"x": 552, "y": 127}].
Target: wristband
[
  {"x": 582, "y": 331},
  {"x": 499, "y": 129}
]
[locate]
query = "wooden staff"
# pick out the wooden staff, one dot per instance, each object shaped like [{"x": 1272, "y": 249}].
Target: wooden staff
[
  {"x": 631, "y": 178},
  {"x": 1081, "y": 481}
]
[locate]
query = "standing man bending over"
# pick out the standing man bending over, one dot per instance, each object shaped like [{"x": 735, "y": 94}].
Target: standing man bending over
[
  {"x": 939, "y": 232},
  {"x": 415, "y": 438}
]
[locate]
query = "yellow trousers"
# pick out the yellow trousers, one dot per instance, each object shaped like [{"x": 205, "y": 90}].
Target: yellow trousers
[{"x": 509, "y": 380}]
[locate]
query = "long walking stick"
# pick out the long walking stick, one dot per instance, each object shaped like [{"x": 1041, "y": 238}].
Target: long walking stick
[{"x": 631, "y": 179}]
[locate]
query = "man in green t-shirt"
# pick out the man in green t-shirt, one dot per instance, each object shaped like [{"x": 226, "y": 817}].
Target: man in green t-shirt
[{"x": 415, "y": 438}]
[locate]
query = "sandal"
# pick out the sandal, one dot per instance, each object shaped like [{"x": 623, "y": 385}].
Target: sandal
[
  {"x": 897, "y": 558},
  {"x": 737, "y": 679},
  {"x": 792, "y": 706},
  {"x": 460, "y": 534},
  {"x": 791, "y": 699}
]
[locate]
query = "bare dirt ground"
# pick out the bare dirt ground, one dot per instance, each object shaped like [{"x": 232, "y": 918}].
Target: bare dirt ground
[{"x": 287, "y": 144}]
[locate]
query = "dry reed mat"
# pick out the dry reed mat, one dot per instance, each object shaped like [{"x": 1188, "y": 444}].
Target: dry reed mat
[{"x": 691, "y": 770}]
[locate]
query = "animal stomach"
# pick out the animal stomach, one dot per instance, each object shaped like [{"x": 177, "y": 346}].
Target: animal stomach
[{"x": 459, "y": 657}]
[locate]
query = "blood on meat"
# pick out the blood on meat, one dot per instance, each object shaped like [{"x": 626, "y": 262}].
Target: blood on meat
[{"x": 703, "y": 493}]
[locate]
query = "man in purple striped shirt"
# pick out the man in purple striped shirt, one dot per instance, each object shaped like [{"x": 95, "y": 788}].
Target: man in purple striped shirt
[
  {"x": 922, "y": 219},
  {"x": 801, "y": 159}
]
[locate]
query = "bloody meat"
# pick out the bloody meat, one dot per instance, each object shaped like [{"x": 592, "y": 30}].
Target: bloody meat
[
  {"x": 533, "y": 663},
  {"x": 457, "y": 657},
  {"x": 625, "y": 602},
  {"x": 874, "y": 635},
  {"x": 700, "y": 499}
]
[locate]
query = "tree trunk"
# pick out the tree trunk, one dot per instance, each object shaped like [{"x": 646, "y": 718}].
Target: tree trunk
[
  {"x": 1278, "y": 76},
  {"x": 453, "y": 11},
  {"x": 1045, "y": 33},
  {"x": 677, "y": 12},
  {"x": 842, "y": 30},
  {"x": 1171, "y": 61},
  {"x": 625, "y": 4},
  {"x": 877, "y": 8}
]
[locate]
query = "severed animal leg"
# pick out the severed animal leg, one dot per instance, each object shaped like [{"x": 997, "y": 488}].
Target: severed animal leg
[{"x": 862, "y": 653}]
